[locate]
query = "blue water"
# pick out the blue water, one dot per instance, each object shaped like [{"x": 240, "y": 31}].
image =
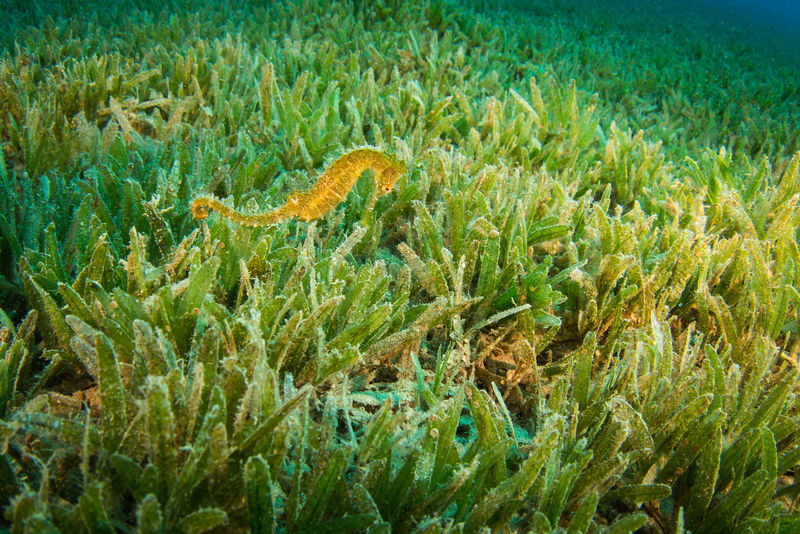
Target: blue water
[
  {"x": 768, "y": 20},
  {"x": 783, "y": 12},
  {"x": 773, "y": 26}
]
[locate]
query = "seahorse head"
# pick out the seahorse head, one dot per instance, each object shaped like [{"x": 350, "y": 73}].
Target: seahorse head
[{"x": 389, "y": 175}]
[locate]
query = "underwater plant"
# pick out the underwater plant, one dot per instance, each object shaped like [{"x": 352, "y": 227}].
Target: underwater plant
[{"x": 569, "y": 316}]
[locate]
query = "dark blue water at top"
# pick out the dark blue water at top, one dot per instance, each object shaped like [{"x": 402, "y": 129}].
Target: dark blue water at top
[{"x": 770, "y": 26}]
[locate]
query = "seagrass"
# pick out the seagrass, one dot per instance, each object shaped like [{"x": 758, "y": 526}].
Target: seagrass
[{"x": 578, "y": 314}]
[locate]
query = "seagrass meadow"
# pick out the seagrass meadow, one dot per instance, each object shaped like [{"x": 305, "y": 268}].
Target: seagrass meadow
[{"x": 573, "y": 308}]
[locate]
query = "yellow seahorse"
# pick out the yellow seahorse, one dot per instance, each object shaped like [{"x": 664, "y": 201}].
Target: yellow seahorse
[{"x": 331, "y": 188}]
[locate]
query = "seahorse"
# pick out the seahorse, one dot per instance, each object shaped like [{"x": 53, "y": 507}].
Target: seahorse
[{"x": 331, "y": 189}]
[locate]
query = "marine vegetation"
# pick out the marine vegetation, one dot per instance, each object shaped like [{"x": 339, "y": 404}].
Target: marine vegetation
[{"x": 554, "y": 291}]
